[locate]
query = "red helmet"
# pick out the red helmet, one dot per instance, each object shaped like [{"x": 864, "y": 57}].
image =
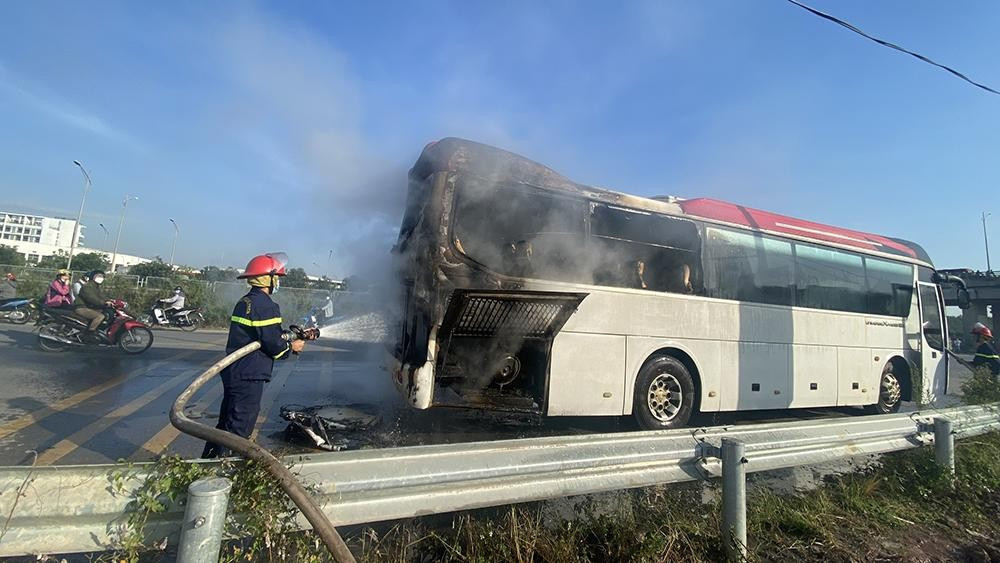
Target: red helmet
[
  {"x": 271, "y": 263},
  {"x": 979, "y": 329}
]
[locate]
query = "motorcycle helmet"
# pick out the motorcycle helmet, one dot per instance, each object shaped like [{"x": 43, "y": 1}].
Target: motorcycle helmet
[
  {"x": 178, "y": 289},
  {"x": 97, "y": 276}
]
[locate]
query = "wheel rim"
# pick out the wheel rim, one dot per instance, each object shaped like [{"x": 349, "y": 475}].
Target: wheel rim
[
  {"x": 136, "y": 340},
  {"x": 664, "y": 397},
  {"x": 18, "y": 315},
  {"x": 889, "y": 392}
]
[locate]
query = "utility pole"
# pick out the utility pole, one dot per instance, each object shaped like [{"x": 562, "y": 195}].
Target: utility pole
[
  {"x": 986, "y": 241},
  {"x": 121, "y": 225},
  {"x": 79, "y": 216},
  {"x": 174, "y": 245},
  {"x": 104, "y": 246}
]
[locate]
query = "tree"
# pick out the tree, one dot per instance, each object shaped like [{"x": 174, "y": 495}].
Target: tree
[
  {"x": 90, "y": 261},
  {"x": 156, "y": 269},
  {"x": 295, "y": 277},
  {"x": 215, "y": 274},
  {"x": 9, "y": 256}
]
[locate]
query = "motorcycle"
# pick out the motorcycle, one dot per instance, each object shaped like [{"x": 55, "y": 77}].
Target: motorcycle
[
  {"x": 186, "y": 319},
  {"x": 59, "y": 328},
  {"x": 17, "y": 310}
]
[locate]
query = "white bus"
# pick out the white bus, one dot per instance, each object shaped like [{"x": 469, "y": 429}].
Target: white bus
[{"x": 524, "y": 291}]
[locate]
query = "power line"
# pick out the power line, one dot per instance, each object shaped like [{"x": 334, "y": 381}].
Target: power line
[{"x": 892, "y": 45}]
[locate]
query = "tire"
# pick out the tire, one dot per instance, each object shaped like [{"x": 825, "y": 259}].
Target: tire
[
  {"x": 890, "y": 393},
  {"x": 146, "y": 319},
  {"x": 664, "y": 394},
  {"x": 50, "y": 345},
  {"x": 135, "y": 340},
  {"x": 190, "y": 327},
  {"x": 19, "y": 316}
]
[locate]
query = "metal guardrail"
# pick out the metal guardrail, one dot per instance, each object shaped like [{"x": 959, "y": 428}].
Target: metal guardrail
[{"x": 74, "y": 508}]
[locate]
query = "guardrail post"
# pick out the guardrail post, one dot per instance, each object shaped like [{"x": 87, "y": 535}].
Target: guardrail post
[
  {"x": 204, "y": 521},
  {"x": 944, "y": 444},
  {"x": 734, "y": 499}
]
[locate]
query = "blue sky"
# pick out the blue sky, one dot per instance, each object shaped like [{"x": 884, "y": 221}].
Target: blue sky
[{"x": 290, "y": 125}]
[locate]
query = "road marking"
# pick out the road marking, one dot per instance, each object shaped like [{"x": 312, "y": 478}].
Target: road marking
[
  {"x": 70, "y": 443},
  {"x": 166, "y": 436},
  {"x": 274, "y": 389},
  {"x": 77, "y": 398}
]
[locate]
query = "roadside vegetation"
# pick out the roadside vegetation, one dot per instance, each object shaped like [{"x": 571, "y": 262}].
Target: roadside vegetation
[{"x": 903, "y": 509}]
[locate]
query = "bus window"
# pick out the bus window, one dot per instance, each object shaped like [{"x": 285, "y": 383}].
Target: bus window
[
  {"x": 748, "y": 267},
  {"x": 830, "y": 279},
  {"x": 643, "y": 250},
  {"x": 890, "y": 287},
  {"x": 520, "y": 231},
  {"x": 931, "y": 317}
]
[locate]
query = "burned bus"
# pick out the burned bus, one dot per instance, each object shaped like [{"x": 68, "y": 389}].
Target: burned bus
[{"x": 523, "y": 291}]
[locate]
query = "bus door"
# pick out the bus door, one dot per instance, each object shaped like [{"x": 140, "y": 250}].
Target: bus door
[{"x": 934, "y": 361}]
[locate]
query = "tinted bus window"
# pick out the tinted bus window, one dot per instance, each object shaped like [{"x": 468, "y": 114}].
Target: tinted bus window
[
  {"x": 643, "y": 250},
  {"x": 522, "y": 232},
  {"x": 748, "y": 267},
  {"x": 890, "y": 287},
  {"x": 830, "y": 279}
]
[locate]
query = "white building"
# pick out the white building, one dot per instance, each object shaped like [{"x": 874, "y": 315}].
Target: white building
[{"x": 36, "y": 236}]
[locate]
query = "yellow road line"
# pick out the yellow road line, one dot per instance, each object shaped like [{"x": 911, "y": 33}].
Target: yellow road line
[
  {"x": 162, "y": 439},
  {"x": 73, "y": 441},
  {"x": 63, "y": 404}
]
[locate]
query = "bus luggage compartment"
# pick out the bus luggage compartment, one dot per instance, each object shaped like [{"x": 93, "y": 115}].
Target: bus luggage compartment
[{"x": 495, "y": 348}]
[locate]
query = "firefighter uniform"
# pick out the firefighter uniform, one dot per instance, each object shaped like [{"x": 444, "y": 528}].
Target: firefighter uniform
[
  {"x": 986, "y": 355},
  {"x": 256, "y": 318}
]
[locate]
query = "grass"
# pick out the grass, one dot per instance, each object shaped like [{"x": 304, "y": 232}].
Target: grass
[{"x": 856, "y": 517}]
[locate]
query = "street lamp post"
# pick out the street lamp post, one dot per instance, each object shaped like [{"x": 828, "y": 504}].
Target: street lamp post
[
  {"x": 986, "y": 240},
  {"x": 106, "y": 235},
  {"x": 79, "y": 216},
  {"x": 173, "y": 245},
  {"x": 121, "y": 225}
]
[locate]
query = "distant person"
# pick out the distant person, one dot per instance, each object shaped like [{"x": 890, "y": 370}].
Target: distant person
[
  {"x": 639, "y": 276},
  {"x": 90, "y": 304},
  {"x": 986, "y": 354},
  {"x": 8, "y": 289},
  {"x": 167, "y": 306},
  {"x": 59, "y": 291},
  {"x": 256, "y": 318},
  {"x": 78, "y": 285}
]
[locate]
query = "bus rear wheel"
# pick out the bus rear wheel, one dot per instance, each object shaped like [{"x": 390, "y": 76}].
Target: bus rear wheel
[
  {"x": 664, "y": 394},
  {"x": 890, "y": 393}
]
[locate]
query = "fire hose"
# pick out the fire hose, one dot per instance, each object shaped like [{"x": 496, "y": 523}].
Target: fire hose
[{"x": 286, "y": 480}]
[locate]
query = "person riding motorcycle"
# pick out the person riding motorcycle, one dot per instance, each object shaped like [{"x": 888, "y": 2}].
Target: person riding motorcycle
[
  {"x": 8, "y": 288},
  {"x": 78, "y": 285},
  {"x": 986, "y": 354},
  {"x": 58, "y": 294},
  {"x": 175, "y": 302},
  {"x": 256, "y": 318},
  {"x": 91, "y": 302}
]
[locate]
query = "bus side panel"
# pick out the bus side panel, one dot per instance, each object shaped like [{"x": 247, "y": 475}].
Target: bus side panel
[
  {"x": 585, "y": 374},
  {"x": 856, "y": 384},
  {"x": 814, "y": 376},
  {"x": 709, "y": 357}
]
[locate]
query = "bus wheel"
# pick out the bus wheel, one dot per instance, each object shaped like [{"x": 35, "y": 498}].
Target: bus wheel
[
  {"x": 890, "y": 393},
  {"x": 664, "y": 394}
]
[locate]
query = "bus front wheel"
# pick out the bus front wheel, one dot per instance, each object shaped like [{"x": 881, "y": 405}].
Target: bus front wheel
[
  {"x": 890, "y": 393},
  {"x": 664, "y": 394}
]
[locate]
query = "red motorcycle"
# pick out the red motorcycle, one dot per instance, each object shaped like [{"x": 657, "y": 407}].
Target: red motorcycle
[{"x": 59, "y": 328}]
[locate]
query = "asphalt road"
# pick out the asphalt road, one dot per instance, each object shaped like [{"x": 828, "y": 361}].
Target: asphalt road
[{"x": 99, "y": 406}]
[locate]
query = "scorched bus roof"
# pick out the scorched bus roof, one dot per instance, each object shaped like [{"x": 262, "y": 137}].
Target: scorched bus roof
[{"x": 495, "y": 165}]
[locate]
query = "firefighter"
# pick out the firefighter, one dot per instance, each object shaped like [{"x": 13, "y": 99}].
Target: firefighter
[
  {"x": 986, "y": 354},
  {"x": 256, "y": 318}
]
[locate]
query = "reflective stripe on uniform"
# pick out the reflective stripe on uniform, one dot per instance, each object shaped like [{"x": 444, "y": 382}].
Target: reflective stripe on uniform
[
  {"x": 988, "y": 357},
  {"x": 248, "y": 322},
  {"x": 285, "y": 351}
]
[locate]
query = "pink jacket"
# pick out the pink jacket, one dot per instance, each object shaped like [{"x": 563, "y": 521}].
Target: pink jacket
[{"x": 58, "y": 294}]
